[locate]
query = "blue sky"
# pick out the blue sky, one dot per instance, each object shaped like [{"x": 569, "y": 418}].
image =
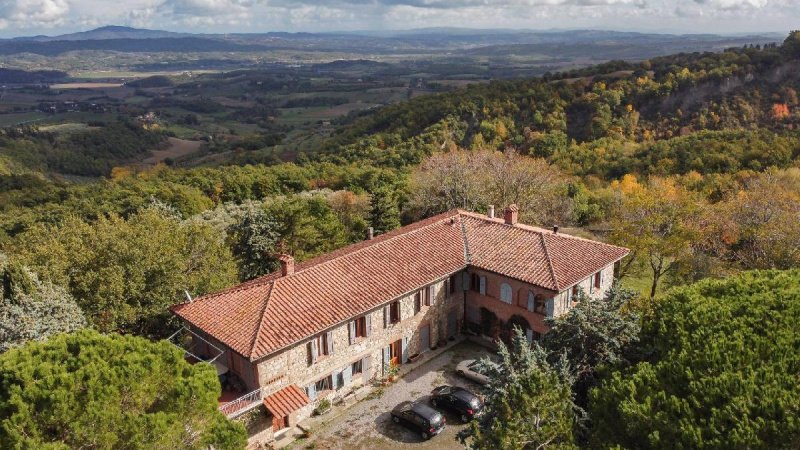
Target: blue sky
[{"x": 26, "y": 17}]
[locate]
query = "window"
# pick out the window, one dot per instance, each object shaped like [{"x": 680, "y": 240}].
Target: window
[
  {"x": 478, "y": 283},
  {"x": 319, "y": 346},
  {"x": 536, "y": 302},
  {"x": 361, "y": 326},
  {"x": 451, "y": 284},
  {"x": 417, "y": 302},
  {"x": 357, "y": 367},
  {"x": 506, "y": 294},
  {"x": 324, "y": 384},
  {"x": 598, "y": 280},
  {"x": 573, "y": 293},
  {"x": 391, "y": 313}
]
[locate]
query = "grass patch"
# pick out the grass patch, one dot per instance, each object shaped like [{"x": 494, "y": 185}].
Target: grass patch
[{"x": 375, "y": 394}]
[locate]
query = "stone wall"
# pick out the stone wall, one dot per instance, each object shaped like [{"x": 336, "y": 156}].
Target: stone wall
[{"x": 291, "y": 365}]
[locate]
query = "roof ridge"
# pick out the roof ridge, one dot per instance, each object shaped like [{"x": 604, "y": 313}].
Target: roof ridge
[
  {"x": 532, "y": 228},
  {"x": 358, "y": 247},
  {"x": 261, "y": 320},
  {"x": 549, "y": 262},
  {"x": 467, "y": 254}
]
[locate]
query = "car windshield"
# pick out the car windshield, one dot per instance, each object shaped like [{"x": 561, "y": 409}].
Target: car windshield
[
  {"x": 465, "y": 396},
  {"x": 477, "y": 368}
]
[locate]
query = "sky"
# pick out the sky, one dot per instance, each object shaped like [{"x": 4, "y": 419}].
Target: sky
[{"x": 51, "y": 17}]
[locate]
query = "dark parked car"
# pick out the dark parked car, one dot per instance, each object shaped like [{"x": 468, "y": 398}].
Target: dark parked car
[
  {"x": 419, "y": 417},
  {"x": 458, "y": 400}
]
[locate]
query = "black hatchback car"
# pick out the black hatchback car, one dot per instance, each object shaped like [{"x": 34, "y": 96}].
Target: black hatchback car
[
  {"x": 419, "y": 417},
  {"x": 458, "y": 400}
]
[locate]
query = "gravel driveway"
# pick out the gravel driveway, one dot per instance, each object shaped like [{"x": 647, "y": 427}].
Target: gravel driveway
[{"x": 367, "y": 425}]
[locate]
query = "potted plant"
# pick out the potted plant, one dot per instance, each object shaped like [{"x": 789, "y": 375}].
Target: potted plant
[
  {"x": 323, "y": 407},
  {"x": 391, "y": 374}
]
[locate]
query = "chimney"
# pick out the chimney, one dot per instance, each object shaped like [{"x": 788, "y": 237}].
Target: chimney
[
  {"x": 370, "y": 233},
  {"x": 555, "y": 229},
  {"x": 510, "y": 215},
  {"x": 491, "y": 212},
  {"x": 287, "y": 264}
]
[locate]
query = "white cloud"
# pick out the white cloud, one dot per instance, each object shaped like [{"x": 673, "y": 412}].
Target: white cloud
[
  {"x": 29, "y": 16},
  {"x": 33, "y": 13}
]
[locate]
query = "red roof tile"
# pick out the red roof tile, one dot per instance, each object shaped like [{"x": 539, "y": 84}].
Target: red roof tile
[
  {"x": 270, "y": 313},
  {"x": 287, "y": 400}
]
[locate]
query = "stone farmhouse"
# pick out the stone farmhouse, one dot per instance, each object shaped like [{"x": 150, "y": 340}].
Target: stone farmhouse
[{"x": 321, "y": 328}]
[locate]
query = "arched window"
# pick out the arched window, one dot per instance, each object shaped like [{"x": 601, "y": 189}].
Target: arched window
[{"x": 506, "y": 293}]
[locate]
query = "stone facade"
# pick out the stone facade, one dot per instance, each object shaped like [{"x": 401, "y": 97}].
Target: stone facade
[{"x": 436, "y": 321}]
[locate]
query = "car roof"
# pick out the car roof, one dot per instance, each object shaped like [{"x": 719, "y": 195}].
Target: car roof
[
  {"x": 424, "y": 410},
  {"x": 464, "y": 394}
]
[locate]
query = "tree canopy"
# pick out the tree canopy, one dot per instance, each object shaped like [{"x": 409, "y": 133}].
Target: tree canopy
[
  {"x": 31, "y": 309},
  {"x": 721, "y": 372},
  {"x": 87, "y": 390}
]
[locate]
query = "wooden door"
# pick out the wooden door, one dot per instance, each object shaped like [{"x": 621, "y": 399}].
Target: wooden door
[{"x": 396, "y": 349}]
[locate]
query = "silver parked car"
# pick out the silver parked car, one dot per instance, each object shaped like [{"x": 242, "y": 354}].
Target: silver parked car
[{"x": 469, "y": 368}]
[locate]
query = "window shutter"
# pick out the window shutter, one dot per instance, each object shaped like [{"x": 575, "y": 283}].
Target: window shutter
[
  {"x": 312, "y": 391},
  {"x": 368, "y": 321},
  {"x": 531, "y": 301},
  {"x": 313, "y": 351},
  {"x": 351, "y": 328},
  {"x": 432, "y": 294},
  {"x": 387, "y": 356},
  {"x": 347, "y": 374},
  {"x": 399, "y": 311},
  {"x": 550, "y": 306},
  {"x": 405, "y": 350},
  {"x": 386, "y": 316},
  {"x": 483, "y": 285},
  {"x": 366, "y": 367},
  {"x": 591, "y": 284},
  {"x": 601, "y": 278},
  {"x": 329, "y": 341},
  {"x": 529, "y": 335}
]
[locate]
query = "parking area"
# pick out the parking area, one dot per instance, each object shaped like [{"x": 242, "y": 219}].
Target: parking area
[{"x": 368, "y": 424}]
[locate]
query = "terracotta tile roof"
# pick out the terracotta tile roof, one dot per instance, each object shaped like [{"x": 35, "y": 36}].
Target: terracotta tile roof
[
  {"x": 270, "y": 313},
  {"x": 287, "y": 400}
]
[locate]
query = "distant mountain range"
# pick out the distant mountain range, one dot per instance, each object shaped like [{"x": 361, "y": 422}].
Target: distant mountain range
[{"x": 432, "y": 40}]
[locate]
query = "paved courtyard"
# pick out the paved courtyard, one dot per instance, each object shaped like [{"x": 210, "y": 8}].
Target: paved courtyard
[{"x": 368, "y": 425}]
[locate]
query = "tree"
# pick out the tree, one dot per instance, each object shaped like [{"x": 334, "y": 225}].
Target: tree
[
  {"x": 474, "y": 179},
  {"x": 593, "y": 333},
  {"x": 31, "y": 309},
  {"x": 791, "y": 45},
  {"x": 255, "y": 239},
  {"x": 721, "y": 371},
  {"x": 528, "y": 403},
  {"x": 384, "y": 214},
  {"x": 88, "y": 390},
  {"x": 306, "y": 224},
  {"x": 765, "y": 219},
  {"x": 660, "y": 223},
  {"x": 124, "y": 274}
]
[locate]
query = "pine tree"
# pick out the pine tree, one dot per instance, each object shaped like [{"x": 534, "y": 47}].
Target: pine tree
[
  {"x": 88, "y": 390},
  {"x": 384, "y": 212}
]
